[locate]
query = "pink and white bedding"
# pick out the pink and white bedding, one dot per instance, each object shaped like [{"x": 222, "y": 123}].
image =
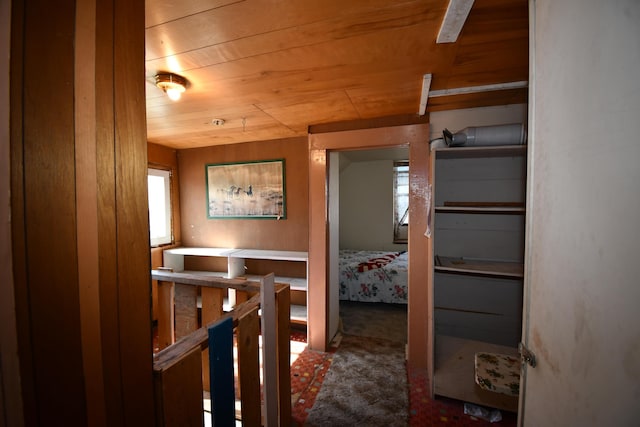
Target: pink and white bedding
[{"x": 373, "y": 276}]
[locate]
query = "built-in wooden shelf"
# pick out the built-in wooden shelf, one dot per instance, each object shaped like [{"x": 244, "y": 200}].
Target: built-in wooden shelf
[
  {"x": 507, "y": 208},
  {"x": 481, "y": 151},
  {"x": 174, "y": 259},
  {"x": 496, "y": 210},
  {"x": 454, "y": 374},
  {"x": 479, "y": 267}
]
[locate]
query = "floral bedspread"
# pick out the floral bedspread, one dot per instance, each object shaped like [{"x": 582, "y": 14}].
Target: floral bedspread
[{"x": 373, "y": 276}]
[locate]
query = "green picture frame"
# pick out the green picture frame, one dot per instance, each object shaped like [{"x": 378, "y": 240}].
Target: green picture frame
[{"x": 250, "y": 190}]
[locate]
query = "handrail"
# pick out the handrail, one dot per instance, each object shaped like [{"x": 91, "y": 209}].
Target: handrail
[
  {"x": 199, "y": 338},
  {"x": 179, "y": 370},
  {"x": 208, "y": 281}
]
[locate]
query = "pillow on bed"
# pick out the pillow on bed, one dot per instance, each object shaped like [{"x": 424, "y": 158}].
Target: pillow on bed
[{"x": 378, "y": 262}]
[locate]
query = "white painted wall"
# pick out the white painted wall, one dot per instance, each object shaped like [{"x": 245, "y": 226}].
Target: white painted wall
[
  {"x": 584, "y": 215},
  {"x": 366, "y": 206},
  {"x": 334, "y": 223}
]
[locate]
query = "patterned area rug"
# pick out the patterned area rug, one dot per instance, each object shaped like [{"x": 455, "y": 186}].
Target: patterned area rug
[
  {"x": 386, "y": 322},
  {"x": 366, "y": 385}
]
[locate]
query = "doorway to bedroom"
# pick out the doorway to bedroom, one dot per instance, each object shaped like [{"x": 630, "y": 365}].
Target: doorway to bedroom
[{"x": 367, "y": 245}]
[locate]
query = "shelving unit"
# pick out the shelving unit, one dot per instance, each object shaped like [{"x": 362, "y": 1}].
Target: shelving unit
[
  {"x": 174, "y": 259},
  {"x": 479, "y": 267},
  {"x": 478, "y": 247}
]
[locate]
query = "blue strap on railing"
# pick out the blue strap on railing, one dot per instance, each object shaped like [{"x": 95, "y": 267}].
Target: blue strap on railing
[{"x": 221, "y": 373}]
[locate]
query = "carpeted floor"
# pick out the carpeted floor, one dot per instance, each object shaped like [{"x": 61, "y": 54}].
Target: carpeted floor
[
  {"x": 380, "y": 324},
  {"x": 366, "y": 385}
]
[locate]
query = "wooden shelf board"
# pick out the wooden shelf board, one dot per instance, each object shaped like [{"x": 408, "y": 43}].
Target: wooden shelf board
[
  {"x": 481, "y": 151},
  {"x": 295, "y": 283},
  {"x": 207, "y": 273},
  {"x": 481, "y": 210},
  {"x": 478, "y": 267},
  {"x": 269, "y": 254},
  {"x": 298, "y": 314},
  {"x": 454, "y": 374},
  {"x": 194, "y": 251}
]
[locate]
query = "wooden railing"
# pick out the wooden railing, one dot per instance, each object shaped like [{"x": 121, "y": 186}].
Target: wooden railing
[{"x": 181, "y": 367}]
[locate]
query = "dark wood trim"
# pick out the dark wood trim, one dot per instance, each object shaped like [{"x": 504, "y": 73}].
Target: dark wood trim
[
  {"x": 11, "y": 398},
  {"x": 402, "y": 120}
]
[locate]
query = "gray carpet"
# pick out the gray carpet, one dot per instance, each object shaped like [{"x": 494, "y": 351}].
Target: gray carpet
[{"x": 366, "y": 384}]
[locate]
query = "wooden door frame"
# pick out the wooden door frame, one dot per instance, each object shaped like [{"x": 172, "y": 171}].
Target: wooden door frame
[{"x": 416, "y": 137}]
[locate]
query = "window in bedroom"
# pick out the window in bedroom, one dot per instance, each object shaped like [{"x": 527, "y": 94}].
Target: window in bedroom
[
  {"x": 400, "y": 201},
  {"x": 159, "y": 183}
]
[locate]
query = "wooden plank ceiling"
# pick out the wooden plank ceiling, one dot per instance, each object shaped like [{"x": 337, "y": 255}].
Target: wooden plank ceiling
[{"x": 273, "y": 68}]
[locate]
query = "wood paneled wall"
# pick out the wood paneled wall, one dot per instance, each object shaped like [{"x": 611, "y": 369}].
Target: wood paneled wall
[
  {"x": 10, "y": 388},
  {"x": 285, "y": 234},
  {"x": 79, "y": 213}
]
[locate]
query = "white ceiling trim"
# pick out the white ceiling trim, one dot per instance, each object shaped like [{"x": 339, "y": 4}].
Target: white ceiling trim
[
  {"x": 476, "y": 89},
  {"x": 424, "y": 96},
  {"x": 453, "y": 21}
]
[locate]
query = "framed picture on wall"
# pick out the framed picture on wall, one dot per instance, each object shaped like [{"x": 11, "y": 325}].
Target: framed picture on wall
[{"x": 246, "y": 190}]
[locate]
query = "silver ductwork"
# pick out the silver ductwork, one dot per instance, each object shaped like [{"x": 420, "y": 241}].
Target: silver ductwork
[{"x": 511, "y": 134}]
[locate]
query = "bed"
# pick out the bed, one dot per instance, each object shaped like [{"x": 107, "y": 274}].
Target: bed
[{"x": 373, "y": 276}]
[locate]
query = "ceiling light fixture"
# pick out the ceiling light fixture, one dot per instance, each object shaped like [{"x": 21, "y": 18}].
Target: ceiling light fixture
[{"x": 172, "y": 84}]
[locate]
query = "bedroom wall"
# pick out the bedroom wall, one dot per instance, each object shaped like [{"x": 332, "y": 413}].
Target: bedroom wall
[
  {"x": 291, "y": 233},
  {"x": 366, "y": 206}
]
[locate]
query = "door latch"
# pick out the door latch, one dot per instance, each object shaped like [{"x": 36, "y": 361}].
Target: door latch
[{"x": 527, "y": 355}]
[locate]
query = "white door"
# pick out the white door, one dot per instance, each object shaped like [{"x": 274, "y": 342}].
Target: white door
[{"x": 582, "y": 287}]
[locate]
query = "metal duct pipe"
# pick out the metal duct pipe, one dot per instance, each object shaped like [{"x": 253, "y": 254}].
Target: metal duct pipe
[{"x": 511, "y": 134}]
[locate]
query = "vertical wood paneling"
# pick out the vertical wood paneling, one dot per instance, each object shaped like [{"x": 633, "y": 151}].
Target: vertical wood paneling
[
  {"x": 11, "y": 402},
  {"x": 49, "y": 212},
  {"x": 178, "y": 391},
  {"x": 86, "y": 202},
  {"x": 17, "y": 214},
  {"x": 134, "y": 284},
  {"x": 186, "y": 310},
  {"x": 283, "y": 337},
  {"x": 105, "y": 117},
  {"x": 249, "y": 368},
  {"x": 166, "y": 314},
  {"x": 287, "y": 234},
  {"x": 79, "y": 321}
]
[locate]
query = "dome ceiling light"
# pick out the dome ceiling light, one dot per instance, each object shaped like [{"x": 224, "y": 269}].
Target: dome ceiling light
[{"x": 172, "y": 84}]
